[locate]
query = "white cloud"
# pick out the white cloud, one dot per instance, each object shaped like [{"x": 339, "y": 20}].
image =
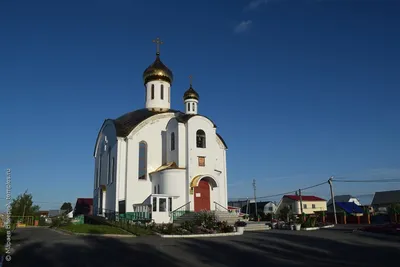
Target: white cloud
[
  {"x": 243, "y": 26},
  {"x": 255, "y": 4}
]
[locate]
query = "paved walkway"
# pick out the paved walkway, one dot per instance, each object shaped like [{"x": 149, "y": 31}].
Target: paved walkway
[{"x": 337, "y": 247}]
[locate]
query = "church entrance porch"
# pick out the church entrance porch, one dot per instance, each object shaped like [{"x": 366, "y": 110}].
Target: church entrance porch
[{"x": 202, "y": 196}]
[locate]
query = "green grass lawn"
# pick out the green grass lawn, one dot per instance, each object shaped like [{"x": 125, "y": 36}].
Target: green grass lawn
[{"x": 94, "y": 229}]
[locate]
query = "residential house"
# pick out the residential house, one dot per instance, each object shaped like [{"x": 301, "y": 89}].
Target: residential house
[
  {"x": 55, "y": 213},
  {"x": 348, "y": 207},
  {"x": 311, "y": 204},
  {"x": 83, "y": 206},
  {"x": 270, "y": 207},
  {"x": 345, "y": 198},
  {"x": 383, "y": 200},
  {"x": 44, "y": 213},
  {"x": 265, "y": 207}
]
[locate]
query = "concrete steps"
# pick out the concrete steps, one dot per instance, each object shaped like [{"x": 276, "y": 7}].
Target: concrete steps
[
  {"x": 252, "y": 226},
  {"x": 231, "y": 218}
]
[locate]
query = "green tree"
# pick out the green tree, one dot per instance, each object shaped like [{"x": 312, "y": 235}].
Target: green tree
[
  {"x": 23, "y": 206},
  {"x": 66, "y": 206},
  {"x": 284, "y": 213}
]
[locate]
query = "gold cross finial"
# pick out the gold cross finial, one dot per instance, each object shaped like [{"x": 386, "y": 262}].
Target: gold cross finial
[
  {"x": 158, "y": 42},
  {"x": 190, "y": 80}
]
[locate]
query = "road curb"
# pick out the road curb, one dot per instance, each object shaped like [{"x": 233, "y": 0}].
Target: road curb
[{"x": 201, "y": 235}]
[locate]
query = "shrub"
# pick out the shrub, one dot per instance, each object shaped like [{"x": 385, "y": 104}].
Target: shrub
[
  {"x": 61, "y": 220},
  {"x": 224, "y": 227},
  {"x": 310, "y": 222},
  {"x": 206, "y": 219},
  {"x": 240, "y": 224}
]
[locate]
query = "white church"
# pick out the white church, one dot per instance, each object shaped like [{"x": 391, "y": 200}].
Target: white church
[{"x": 157, "y": 160}]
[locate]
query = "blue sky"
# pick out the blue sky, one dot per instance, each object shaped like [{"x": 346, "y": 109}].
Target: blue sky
[{"x": 300, "y": 90}]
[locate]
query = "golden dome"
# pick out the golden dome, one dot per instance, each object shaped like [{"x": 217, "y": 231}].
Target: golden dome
[
  {"x": 157, "y": 71},
  {"x": 190, "y": 94}
]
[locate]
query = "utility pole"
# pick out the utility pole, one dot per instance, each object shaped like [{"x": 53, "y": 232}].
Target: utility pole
[
  {"x": 255, "y": 199},
  {"x": 247, "y": 206},
  {"x": 301, "y": 202},
  {"x": 333, "y": 198}
]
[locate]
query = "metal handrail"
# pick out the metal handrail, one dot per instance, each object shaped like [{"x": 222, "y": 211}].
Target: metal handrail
[
  {"x": 180, "y": 207},
  {"x": 216, "y": 203},
  {"x": 172, "y": 213}
]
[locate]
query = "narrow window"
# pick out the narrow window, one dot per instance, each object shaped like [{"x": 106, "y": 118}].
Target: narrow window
[
  {"x": 172, "y": 141},
  {"x": 162, "y": 91},
  {"x": 163, "y": 204},
  {"x": 305, "y": 206},
  {"x": 109, "y": 165},
  {"x": 154, "y": 204},
  {"x": 188, "y": 106},
  {"x": 170, "y": 204},
  {"x": 99, "y": 177},
  {"x": 96, "y": 177},
  {"x": 142, "y": 161},
  {"x": 201, "y": 139},
  {"x": 113, "y": 170},
  {"x": 152, "y": 91},
  {"x": 313, "y": 206},
  {"x": 158, "y": 188},
  {"x": 193, "y": 105},
  {"x": 155, "y": 190},
  {"x": 202, "y": 161}
]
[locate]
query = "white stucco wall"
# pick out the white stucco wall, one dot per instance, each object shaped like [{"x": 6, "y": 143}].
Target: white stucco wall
[
  {"x": 148, "y": 131},
  {"x": 295, "y": 206},
  {"x": 191, "y": 106},
  {"x": 214, "y": 158},
  {"x": 155, "y": 131},
  {"x": 107, "y": 132},
  {"x": 157, "y": 102},
  {"x": 173, "y": 183}
]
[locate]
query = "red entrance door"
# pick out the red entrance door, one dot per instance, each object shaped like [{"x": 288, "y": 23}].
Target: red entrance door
[{"x": 202, "y": 196}]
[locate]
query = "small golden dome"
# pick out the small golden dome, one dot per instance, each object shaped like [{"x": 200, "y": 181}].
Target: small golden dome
[
  {"x": 190, "y": 94},
  {"x": 158, "y": 71}
]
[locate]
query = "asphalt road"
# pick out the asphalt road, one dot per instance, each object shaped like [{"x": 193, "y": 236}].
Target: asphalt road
[{"x": 335, "y": 247}]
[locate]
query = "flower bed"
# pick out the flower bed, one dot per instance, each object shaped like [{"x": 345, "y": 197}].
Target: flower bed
[{"x": 203, "y": 223}]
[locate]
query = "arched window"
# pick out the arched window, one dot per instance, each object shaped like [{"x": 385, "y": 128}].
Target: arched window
[
  {"x": 152, "y": 91},
  {"x": 201, "y": 139},
  {"x": 172, "y": 141},
  {"x": 162, "y": 91},
  {"x": 188, "y": 106},
  {"x": 142, "y": 160}
]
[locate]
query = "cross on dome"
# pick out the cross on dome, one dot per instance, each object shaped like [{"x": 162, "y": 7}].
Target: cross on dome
[{"x": 158, "y": 42}]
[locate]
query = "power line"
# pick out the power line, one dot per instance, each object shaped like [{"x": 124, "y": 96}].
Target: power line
[
  {"x": 393, "y": 180},
  {"x": 40, "y": 202},
  {"x": 293, "y": 191}
]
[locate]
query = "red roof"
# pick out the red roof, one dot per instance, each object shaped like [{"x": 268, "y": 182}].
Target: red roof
[
  {"x": 304, "y": 198},
  {"x": 87, "y": 201}
]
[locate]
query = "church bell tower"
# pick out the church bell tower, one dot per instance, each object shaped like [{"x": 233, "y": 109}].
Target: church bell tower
[
  {"x": 157, "y": 81},
  {"x": 191, "y": 99}
]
